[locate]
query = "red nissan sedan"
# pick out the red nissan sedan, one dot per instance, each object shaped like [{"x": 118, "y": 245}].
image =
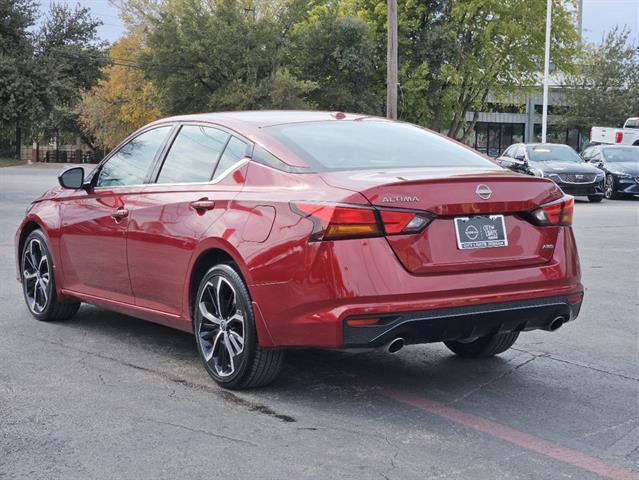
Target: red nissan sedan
[{"x": 262, "y": 231}]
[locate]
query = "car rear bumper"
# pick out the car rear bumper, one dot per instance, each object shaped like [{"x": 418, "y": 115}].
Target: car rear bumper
[
  {"x": 335, "y": 281},
  {"x": 464, "y": 323}
]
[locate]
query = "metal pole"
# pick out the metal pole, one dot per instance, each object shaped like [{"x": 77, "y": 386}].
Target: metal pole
[
  {"x": 580, "y": 17},
  {"x": 544, "y": 116},
  {"x": 391, "y": 65}
]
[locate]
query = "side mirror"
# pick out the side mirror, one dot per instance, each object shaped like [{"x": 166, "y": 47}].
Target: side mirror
[{"x": 72, "y": 178}]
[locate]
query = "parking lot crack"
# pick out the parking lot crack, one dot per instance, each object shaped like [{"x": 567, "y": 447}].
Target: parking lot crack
[
  {"x": 497, "y": 378},
  {"x": 550, "y": 356},
  {"x": 223, "y": 394},
  {"x": 204, "y": 432}
]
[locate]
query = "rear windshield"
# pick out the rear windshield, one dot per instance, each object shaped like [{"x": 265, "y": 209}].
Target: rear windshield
[
  {"x": 619, "y": 154},
  {"x": 553, "y": 153},
  {"x": 349, "y": 145}
]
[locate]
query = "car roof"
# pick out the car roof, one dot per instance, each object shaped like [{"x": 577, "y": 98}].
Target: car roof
[
  {"x": 546, "y": 145},
  {"x": 264, "y": 118}
]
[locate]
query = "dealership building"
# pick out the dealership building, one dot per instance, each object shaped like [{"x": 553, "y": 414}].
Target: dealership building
[{"x": 518, "y": 119}]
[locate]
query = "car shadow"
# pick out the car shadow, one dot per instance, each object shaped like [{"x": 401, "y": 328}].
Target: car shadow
[{"x": 429, "y": 367}]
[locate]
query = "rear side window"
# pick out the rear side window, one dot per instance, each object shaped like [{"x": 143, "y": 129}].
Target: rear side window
[
  {"x": 347, "y": 145},
  {"x": 193, "y": 155},
  {"x": 235, "y": 151},
  {"x": 632, "y": 123},
  {"x": 131, "y": 163}
]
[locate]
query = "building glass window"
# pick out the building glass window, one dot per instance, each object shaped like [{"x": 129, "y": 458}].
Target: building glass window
[
  {"x": 518, "y": 133},
  {"x": 493, "y": 138},
  {"x": 481, "y": 138}
]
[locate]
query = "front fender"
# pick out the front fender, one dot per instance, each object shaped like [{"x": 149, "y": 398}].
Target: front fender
[{"x": 46, "y": 217}]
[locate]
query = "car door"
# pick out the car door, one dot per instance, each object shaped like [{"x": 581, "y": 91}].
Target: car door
[
  {"x": 94, "y": 221},
  {"x": 193, "y": 188}
]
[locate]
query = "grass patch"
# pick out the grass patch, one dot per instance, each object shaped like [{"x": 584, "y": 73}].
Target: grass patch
[{"x": 10, "y": 162}]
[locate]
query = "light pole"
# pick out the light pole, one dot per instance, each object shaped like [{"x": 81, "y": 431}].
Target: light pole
[
  {"x": 391, "y": 62},
  {"x": 544, "y": 115}
]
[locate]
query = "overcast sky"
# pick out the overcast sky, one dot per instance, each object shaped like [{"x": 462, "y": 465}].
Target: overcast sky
[{"x": 599, "y": 17}]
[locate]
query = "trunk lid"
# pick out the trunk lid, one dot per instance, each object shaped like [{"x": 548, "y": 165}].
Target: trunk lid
[{"x": 449, "y": 193}]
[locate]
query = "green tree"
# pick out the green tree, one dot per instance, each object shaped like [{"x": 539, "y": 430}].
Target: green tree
[
  {"x": 499, "y": 48},
  {"x": 453, "y": 53},
  {"x": 604, "y": 89},
  {"x": 424, "y": 45},
  {"x": 43, "y": 71},
  {"x": 21, "y": 95},
  {"x": 216, "y": 55},
  {"x": 338, "y": 53},
  {"x": 70, "y": 52}
]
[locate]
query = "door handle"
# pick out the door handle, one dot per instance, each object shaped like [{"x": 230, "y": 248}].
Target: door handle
[
  {"x": 119, "y": 214},
  {"x": 203, "y": 204}
]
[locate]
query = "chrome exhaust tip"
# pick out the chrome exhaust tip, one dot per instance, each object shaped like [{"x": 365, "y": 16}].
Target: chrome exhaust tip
[
  {"x": 396, "y": 345},
  {"x": 556, "y": 323}
]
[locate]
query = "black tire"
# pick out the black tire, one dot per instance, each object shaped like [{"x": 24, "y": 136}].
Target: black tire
[
  {"x": 220, "y": 333},
  {"x": 609, "y": 188},
  {"x": 484, "y": 346},
  {"x": 595, "y": 198},
  {"x": 49, "y": 309}
]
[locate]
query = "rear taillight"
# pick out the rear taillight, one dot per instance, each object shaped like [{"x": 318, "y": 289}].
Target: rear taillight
[
  {"x": 397, "y": 222},
  {"x": 618, "y": 137},
  {"x": 555, "y": 213},
  {"x": 338, "y": 222}
]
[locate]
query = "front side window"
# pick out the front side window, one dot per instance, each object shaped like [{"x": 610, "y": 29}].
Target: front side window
[
  {"x": 348, "y": 145},
  {"x": 130, "y": 164},
  {"x": 510, "y": 151},
  {"x": 587, "y": 153},
  {"x": 193, "y": 155},
  {"x": 235, "y": 151}
]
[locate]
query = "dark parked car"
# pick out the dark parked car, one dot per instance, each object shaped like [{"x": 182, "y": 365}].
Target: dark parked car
[
  {"x": 621, "y": 166},
  {"x": 559, "y": 163},
  {"x": 262, "y": 231}
]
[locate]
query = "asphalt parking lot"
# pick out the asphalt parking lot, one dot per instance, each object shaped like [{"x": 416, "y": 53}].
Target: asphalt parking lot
[{"x": 107, "y": 396}]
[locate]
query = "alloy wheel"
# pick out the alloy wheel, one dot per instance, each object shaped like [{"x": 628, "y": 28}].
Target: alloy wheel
[
  {"x": 36, "y": 275},
  {"x": 609, "y": 187},
  {"x": 221, "y": 326}
]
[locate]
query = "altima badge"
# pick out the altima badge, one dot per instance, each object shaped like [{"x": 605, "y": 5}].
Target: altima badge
[
  {"x": 400, "y": 198},
  {"x": 483, "y": 191}
]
